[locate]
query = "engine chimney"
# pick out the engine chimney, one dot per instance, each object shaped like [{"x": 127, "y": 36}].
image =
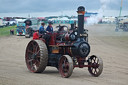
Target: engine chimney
[
  {"x": 72, "y": 26},
  {"x": 81, "y": 12}
]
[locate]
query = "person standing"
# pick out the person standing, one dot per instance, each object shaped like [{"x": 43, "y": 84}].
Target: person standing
[{"x": 49, "y": 28}]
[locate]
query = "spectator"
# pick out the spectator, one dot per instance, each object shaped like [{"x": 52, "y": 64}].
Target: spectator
[{"x": 12, "y": 32}]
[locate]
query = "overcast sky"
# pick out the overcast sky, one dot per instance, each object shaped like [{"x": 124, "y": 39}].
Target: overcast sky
[{"x": 49, "y": 7}]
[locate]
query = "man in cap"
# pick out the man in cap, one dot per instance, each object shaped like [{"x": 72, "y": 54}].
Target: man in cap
[
  {"x": 41, "y": 29},
  {"x": 49, "y": 28}
]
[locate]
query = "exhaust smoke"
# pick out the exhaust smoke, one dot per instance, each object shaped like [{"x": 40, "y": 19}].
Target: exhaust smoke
[{"x": 94, "y": 19}]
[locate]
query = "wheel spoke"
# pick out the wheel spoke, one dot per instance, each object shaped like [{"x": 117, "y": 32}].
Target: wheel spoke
[
  {"x": 37, "y": 63},
  {"x": 38, "y": 56},
  {"x": 94, "y": 59},
  {"x": 29, "y": 51},
  {"x": 34, "y": 47},
  {"x": 37, "y": 53},
  {"x": 30, "y": 60},
  {"x": 97, "y": 61},
  {"x": 64, "y": 60},
  {"x": 95, "y": 71},
  {"x": 37, "y": 48},
  {"x": 67, "y": 64},
  {"x": 31, "y": 63},
  {"x": 32, "y": 44},
  {"x": 32, "y": 67}
]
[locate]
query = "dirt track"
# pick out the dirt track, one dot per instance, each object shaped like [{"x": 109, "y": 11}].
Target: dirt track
[{"x": 111, "y": 46}]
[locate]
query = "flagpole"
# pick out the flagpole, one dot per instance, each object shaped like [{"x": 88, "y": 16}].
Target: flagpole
[{"x": 121, "y": 8}]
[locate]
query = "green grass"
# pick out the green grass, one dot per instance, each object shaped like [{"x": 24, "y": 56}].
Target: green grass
[{"x": 5, "y": 31}]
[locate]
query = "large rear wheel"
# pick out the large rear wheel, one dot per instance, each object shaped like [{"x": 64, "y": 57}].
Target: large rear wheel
[
  {"x": 36, "y": 56},
  {"x": 66, "y": 66}
]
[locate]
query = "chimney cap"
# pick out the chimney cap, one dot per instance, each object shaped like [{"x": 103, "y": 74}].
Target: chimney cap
[{"x": 81, "y": 8}]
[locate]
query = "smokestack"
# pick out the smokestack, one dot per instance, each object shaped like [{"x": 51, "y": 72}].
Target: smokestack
[
  {"x": 81, "y": 12},
  {"x": 72, "y": 26}
]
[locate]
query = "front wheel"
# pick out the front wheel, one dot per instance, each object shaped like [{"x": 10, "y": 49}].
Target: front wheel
[
  {"x": 95, "y": 65},
  {"x": 65, "y": 66}
]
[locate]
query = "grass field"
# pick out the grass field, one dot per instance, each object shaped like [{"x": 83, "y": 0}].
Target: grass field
[{"x": 6, "y": 30}]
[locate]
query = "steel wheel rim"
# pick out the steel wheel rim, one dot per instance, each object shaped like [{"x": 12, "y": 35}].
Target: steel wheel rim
[
  {"x": 65, "y": 66},
  {"x": 33, "y": 56},
  {"x": 96, "y": 65}
]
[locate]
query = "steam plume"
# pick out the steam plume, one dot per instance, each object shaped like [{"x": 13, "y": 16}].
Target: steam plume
[{"x": 95, "y": 19}]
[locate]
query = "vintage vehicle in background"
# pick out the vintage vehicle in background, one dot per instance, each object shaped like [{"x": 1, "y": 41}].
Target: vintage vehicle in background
[
  {"x": 20, "y": 28},
  {"x": 31, "y": 26},
  {"x": 63, "y": 49},
  {"x": 121, "y": 24},
  {"x": 1, "y": 23}
]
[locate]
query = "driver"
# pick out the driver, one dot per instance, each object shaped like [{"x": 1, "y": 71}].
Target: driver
[
  {"x": 41, "y": 29},
  {"x": 44, "y": 33},
  {"x": 49, "y": 28}
]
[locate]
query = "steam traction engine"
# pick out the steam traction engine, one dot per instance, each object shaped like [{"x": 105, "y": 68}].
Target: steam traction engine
[{"x": 65, "y": 51}]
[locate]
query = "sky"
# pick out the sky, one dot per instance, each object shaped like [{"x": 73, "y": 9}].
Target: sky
[{"x": 60, "y": 7}]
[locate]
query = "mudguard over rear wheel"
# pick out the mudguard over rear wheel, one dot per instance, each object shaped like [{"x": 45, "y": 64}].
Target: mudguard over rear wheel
[{"x": 36, "y": 56}]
